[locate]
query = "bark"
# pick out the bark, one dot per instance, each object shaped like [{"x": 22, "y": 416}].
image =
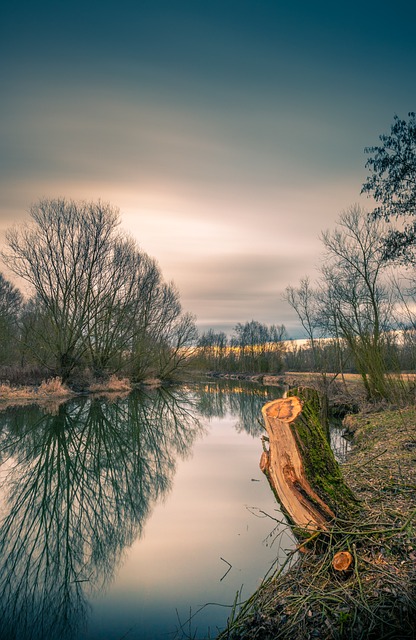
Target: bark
[
  {"x": 301, "y": 467},
  {"x": 316, "y": 402}
]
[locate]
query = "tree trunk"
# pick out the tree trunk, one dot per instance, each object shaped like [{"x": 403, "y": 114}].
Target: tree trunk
[
  {"x": 301, "y": 467},
  {"x": 315, "y": 403}
]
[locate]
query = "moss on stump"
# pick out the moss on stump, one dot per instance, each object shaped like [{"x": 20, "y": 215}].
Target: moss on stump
[{"x": 301, "y": 466}]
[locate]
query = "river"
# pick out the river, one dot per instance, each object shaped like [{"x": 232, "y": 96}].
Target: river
[{"x": 139, "y": 517}]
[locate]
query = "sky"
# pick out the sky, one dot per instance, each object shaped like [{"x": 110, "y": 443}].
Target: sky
[{"x": 230, "y": 133}]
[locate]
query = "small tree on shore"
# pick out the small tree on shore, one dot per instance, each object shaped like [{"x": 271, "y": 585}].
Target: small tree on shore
[
  {"x": 356, "y": 298},
  {"x": 304, "y": 302}
]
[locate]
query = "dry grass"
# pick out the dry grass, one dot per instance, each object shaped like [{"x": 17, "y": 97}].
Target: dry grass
[
  {"x": 47, "y": 391},
  {"x": 53, "y": 387},
  {"x": 112, "y": 385},
  {"x": 8, "y": 392}
]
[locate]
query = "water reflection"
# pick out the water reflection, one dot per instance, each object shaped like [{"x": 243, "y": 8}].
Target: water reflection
[
  {"x": 216, "y": 399},
  {"x": 78, "y": 485}
]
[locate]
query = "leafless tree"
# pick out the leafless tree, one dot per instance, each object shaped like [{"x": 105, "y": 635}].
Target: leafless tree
[
  {"x": 123, "y": 304},
  {"x": 11, "y": 303},
  {"x": 324, "y": 347},
  {"x": 303, "y": 300},
  {"x": 61, "y": 254},
  {"x": 260, "y": 347},
  {"x": 212, "y": 348},
  {"x": 356, "y": 294},
  {"x": 98, "y": 299}
]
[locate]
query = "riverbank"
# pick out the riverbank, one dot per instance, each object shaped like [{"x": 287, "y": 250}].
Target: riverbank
[
  {"x": 377, "y": 598},
  {"x": 48, "y": 389},
  {"x": 54, "y": 389}
]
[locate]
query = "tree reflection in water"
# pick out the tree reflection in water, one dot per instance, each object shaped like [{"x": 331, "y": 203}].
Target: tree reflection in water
[
  {"x": 77, "y": 487},
  {"x": 78, "y": 483},
  {"x": 244, "y": 400}
]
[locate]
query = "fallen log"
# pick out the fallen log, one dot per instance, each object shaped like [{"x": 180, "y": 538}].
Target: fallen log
[{"x": 301, "y": 467}]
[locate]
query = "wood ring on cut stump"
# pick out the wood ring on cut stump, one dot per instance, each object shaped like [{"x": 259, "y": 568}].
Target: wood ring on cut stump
[
  {"x": 342, "y": 561},
  {"x": 285, "y": 409}
]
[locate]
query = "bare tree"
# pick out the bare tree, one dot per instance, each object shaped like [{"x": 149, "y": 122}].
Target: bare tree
[
  {"x": 123, "y": 304},
  {"x": 62, "y": 254},
  {"x": 260, "y": 347},
  {"x": 324, "y": 353},
  {"x": 212, "y": 348},
  {"x": 11, "y": 303},
  {"x": 304, "y": 301},
  {"x": 98, "y": 299},
  {"x": 180, "y": 339},
  {"x": 356, "y": 295}
]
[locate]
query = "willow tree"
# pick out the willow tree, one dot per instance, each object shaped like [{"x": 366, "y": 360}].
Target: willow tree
[
  {"x": 123, "y": 302},
  {"x": 61, "y": 253},
  {"x": 97, "y": 296}
]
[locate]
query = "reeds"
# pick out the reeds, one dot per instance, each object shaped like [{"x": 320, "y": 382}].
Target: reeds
[
  {"x": 112, "y": 385},
  {"x": 52, "y": 388}
]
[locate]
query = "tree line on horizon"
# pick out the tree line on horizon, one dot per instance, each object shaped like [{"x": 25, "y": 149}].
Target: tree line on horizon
[
  {"x": 99, "y": 303},
  {"x": 253, "y": 347}
]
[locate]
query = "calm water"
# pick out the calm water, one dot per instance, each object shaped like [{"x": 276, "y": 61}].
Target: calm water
[{"x": 120, "y": 519}]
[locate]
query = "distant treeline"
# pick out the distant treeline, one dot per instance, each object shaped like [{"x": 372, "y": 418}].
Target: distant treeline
[
  {"x": 238, "y": 354},
  {"x": 253, "y": 347}
]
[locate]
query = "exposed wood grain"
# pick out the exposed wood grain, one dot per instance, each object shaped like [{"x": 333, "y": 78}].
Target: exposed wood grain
[{"x": 285, "y": 470}]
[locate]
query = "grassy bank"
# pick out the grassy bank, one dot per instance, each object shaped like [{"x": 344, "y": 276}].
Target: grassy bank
[
  {"x": 52, "y": 388},
  {"x": 377, "y": 598}
]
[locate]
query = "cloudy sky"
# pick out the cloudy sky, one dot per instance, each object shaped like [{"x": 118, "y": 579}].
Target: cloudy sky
[{"x": 228, "y": 132}]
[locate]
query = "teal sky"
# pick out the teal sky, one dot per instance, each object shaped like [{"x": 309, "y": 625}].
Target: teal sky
[{"x": 229, "y": 133}]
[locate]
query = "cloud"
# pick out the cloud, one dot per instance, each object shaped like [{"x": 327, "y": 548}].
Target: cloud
[
  {"x": 231, "y": 289},
  {"x": 229, "y": 139}
]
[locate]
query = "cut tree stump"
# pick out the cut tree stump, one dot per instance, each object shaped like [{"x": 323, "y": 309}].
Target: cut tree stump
[
  {"x": 342, "y": 561},
  {"x": 301, "y": 467}
]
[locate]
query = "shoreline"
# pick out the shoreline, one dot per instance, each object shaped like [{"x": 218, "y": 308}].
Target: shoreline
[
  {"x": 53, "y": 390},
  {"x": 377, "y": 599}
]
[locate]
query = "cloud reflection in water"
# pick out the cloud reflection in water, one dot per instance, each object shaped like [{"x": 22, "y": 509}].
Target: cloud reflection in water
[{"x": 78, "y": 486}]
